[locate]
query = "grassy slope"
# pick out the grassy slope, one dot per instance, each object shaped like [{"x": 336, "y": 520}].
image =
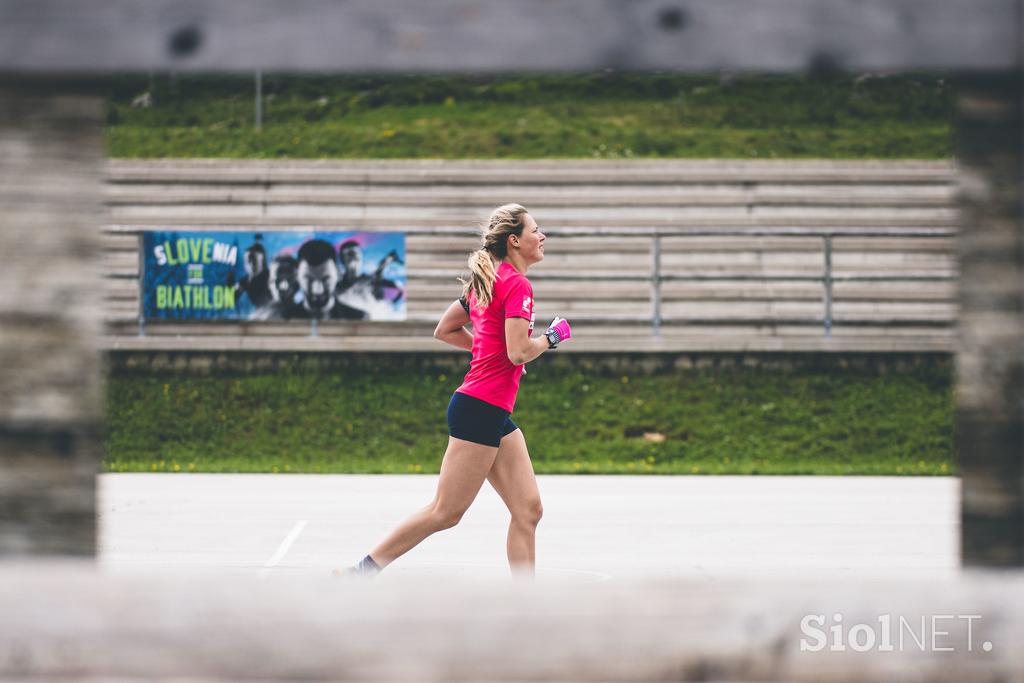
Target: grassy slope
[
  {"x": 583, "y": 116},
  {"x": 724, "y": 420}
]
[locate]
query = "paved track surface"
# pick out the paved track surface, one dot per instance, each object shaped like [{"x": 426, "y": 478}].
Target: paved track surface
[{"x": 595, "y": 528}]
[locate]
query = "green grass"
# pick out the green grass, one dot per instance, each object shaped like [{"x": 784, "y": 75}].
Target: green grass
[
  {"x": 581, "y": 116},
  {"x": 726, "y": 420}
]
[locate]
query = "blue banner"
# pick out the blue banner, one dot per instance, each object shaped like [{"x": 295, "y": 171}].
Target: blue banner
[{"x": 273, "y": 275}]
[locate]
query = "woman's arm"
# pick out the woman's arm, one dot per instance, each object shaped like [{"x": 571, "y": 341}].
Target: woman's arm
[
  {"x": 521, "y": 349},
  {"x": 451, "y": 329}
]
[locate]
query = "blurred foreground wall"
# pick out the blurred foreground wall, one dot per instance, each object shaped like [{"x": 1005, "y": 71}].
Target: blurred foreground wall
[
  {"x": 50, "y": 179},
  {"x": 990, "y": 358}
]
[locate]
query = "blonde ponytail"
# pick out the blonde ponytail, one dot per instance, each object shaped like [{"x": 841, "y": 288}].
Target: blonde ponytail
[
  {"x": 481, "y": 277},
  {"x": 504, "y": 221}
]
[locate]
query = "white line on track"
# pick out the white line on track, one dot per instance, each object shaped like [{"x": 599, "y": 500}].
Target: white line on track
[{"x": 283, "y": 548}]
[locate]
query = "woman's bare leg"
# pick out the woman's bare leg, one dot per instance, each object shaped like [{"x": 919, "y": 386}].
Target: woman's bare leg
[
  {"x": 463, "y": 471},
  {"x": 513, "y": 478}
]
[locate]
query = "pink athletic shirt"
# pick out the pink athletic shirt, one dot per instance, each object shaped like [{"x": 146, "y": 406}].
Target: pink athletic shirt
[{"x": 492, "y": 377}]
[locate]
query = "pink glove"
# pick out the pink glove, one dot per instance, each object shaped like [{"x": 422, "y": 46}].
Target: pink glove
[{"x": 558, "y": 332}]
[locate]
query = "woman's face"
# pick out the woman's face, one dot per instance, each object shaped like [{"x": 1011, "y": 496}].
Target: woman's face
[{"x": 531, "y": 242}]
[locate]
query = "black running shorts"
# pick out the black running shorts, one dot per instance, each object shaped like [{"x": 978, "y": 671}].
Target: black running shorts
[{"x": 478, "y": 421}]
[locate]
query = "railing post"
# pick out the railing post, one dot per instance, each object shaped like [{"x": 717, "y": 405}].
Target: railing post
[
  {"x": 656, "y": 284},
  {"x": 828, "y": 285},
  {"x": 312, "y": 328}
]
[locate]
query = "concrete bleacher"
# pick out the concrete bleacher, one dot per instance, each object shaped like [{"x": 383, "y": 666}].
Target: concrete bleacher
[{"x": 740, "y": 247}]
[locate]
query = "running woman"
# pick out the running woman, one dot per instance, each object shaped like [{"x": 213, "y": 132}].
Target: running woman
[{"x": 483, "y": 441}]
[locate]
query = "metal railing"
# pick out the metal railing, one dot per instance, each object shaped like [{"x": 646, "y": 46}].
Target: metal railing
[
  {"x": 827, "y": 277},
  {"x": 657, "y": 276}
]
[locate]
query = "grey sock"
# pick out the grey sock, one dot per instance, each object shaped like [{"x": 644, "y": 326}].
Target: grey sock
[{"x": 367, "y": 566}]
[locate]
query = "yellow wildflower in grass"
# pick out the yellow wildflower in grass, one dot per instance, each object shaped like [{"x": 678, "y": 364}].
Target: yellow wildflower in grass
[
  {"x": 287, "y": 468},
  {"x": 191, "y": 467},
  {"x": 274, "y": 469},
  {"x": 153, "y": 467},
  {"x": 943, "y": 467},
  {"x": 177, "y": 467}
]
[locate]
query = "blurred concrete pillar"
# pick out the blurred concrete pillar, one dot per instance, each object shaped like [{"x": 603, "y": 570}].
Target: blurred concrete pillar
[
  {"x": 990, "y": 356},
  {"x": 51, "y": 157}
]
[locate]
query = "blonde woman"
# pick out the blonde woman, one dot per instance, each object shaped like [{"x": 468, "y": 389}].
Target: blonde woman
[{"x": 483, "y": 441}]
